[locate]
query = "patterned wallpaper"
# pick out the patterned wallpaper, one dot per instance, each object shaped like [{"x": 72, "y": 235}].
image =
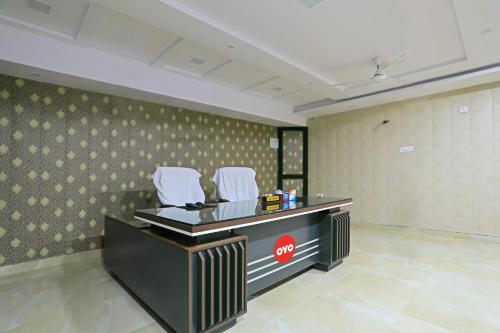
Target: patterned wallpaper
[
  {"x": 292, "y": 152},
  {"x": 292, "y": 159},
  {"x": 69, "y": 156},
  {"x": 450, "y": 182}
]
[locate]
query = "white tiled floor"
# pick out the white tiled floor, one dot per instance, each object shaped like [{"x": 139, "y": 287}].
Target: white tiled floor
[{"x": 396, "y": 280}]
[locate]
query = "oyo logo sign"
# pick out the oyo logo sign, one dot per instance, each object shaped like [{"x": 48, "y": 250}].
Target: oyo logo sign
[{"x": 284, "y": 249}]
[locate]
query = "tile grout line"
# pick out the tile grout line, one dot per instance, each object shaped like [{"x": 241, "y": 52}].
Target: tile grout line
[{"x": 51, "y": 262}]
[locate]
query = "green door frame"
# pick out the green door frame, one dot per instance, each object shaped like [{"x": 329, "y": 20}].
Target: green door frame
[{"x": 305, "y": 161}]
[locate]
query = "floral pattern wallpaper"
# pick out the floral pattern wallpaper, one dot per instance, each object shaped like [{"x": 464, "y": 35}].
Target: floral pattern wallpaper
[
  {"x": 68, "y": 157},
  {"x": 293, "y": 150}
]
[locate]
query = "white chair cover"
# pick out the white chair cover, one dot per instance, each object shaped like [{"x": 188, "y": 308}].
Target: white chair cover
[
  {"x": 177, "y": 186},
  {"x": 236, "y": 184}
]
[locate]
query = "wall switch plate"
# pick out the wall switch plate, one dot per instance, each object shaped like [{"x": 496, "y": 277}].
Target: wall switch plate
[
  {"x": 274, "y": 143},
  {"x": 463, "y": 109},
  {"x": 406, "y": 149}
]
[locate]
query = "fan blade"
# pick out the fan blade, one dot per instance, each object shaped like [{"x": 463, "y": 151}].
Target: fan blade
[
  {"x": 351, "y": 82},
  {"x": 394, "y": 62}
]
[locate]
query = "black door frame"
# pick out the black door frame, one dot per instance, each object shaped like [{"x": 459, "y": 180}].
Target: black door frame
[{"x": 305, "y": 161}]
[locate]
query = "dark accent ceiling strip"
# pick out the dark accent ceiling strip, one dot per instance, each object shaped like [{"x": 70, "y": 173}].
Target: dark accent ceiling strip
[{"x": 329, "y": 101}]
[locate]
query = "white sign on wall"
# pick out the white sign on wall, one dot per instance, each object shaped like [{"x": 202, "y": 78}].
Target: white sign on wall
[
  {"x": 274, "y": 143},
  {"x": 406, "y": 149},
  {"x": 463, "y": 109}
]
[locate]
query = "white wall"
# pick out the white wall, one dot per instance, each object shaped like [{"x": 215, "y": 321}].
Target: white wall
[{"x": 450, "y": 182}]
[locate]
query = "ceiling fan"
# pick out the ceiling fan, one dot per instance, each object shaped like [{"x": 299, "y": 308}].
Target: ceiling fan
[{"x": 380, "y": 73}]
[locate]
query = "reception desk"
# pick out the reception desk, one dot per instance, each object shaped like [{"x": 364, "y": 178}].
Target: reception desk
[{"x": 196, "y": 269}]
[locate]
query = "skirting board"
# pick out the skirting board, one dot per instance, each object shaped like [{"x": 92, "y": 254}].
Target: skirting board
[{"x": 49, "y": 262}]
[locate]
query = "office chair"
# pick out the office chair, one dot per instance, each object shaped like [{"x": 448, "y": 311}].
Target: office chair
[
  {"x": 178, "y": 186},
  {"x": 236, "y": 184}
]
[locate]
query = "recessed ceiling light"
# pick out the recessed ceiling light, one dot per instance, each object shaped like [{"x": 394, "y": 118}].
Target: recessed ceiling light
[
  {"x": 485, "y": 31},
  {"x": 35, "y": 74},
  {"x": 277, "y": 89},
  {"x": 197, "y": 61},
  {"x": 311, "y": 3},
  {"x": 38, "y": 6},
  {"x": 230, "y": 46}
]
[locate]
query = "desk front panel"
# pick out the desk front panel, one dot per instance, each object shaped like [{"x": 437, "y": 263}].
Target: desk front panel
[{"x": 270, "y": 255}]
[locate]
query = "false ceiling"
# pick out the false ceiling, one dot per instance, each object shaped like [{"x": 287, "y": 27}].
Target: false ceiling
[{"x": 282, "y": 60}]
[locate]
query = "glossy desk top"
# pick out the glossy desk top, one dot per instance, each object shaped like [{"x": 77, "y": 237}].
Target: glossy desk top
[{"x": 229, "y": 215}]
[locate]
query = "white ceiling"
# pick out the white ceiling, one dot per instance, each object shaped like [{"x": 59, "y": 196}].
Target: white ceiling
[
  {"x": 336, "y": 39},
  {"x": 63, "y": 20},
  {"x": 258, "y": 58},
  {"x": 128, "y": 37}
]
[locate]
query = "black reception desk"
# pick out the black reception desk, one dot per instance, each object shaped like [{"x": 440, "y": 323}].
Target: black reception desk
[{"x": 196, "y": 269}]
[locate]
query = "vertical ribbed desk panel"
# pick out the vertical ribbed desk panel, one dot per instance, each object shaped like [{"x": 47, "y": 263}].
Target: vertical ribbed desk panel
[
  {"x": 341, "y": 229},
  {"x": 334, "y": 239},
  {"x": 221, "y": 292}
]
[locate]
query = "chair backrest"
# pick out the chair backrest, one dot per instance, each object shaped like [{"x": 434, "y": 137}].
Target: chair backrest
[
  {"x": 236, "y": 184},
  {"x": 177, "y": 186}
]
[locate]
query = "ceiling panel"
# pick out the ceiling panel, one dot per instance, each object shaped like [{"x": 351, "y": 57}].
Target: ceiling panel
[
  {"x": 190, "y": 58},
  {"x": 238, "y": 75},
  {"x": 338, "y": 39},
  {"x": 274, "y": 88},
  {"x": 59, "y": 17},
  {"x": 125, "y": 36},
  {"x": 301, "y": 97},
  {"x": 310, "y": 44},
  {"x": 480, "y": 27}
]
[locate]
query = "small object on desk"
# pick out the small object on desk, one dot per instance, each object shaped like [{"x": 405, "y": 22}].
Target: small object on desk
[
  {"x": 197, "y": 205},
  {"x": 277, "y": 205},
  {"x": 193, "y": 206},
  {"x": 291, "y": 204},
  {"x": 292, "y": 195},
  {"x": 270, "y": 198}
]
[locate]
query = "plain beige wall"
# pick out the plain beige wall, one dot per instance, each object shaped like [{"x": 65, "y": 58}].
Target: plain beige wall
[{"x": 450, "y": 182}]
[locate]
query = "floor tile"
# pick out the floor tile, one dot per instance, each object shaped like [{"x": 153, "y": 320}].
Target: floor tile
[{"x": 395, "y": 280}]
